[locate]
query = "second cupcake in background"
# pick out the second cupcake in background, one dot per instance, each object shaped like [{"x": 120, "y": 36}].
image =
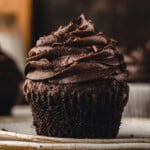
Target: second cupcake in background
[
  {"x": 76, "y": 83},
  {"x": 138, "y": 65},
  {"x": 10, "y": 77}
]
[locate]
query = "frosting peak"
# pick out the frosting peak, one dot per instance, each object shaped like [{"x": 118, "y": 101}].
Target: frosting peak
[{"x": 75, "y": 53}]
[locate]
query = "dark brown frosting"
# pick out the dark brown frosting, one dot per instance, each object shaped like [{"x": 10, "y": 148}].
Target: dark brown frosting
[{"x": 75, "y": 53}]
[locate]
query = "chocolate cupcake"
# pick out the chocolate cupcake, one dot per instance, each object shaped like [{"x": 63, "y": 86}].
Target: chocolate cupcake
[
  {"x": 10, "y": 78},
  {"x": 76, "y": 83}
]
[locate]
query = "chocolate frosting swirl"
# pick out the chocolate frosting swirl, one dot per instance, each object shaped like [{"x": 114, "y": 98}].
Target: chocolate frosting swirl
[{"x": 75, "y": 53}]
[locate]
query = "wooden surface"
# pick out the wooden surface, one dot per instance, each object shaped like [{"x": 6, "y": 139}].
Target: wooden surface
[
  {"x": 16, "y": 141},
  {"x": 13, "y": 145}
]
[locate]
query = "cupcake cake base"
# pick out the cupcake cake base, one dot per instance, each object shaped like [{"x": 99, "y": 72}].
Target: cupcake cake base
[{"x": 85, "y": 110}]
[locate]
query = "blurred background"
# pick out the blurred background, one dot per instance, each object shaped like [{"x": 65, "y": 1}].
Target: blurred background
[
  {"x": 126, "y": 20},
  {"x": 22, "y": 22}
]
